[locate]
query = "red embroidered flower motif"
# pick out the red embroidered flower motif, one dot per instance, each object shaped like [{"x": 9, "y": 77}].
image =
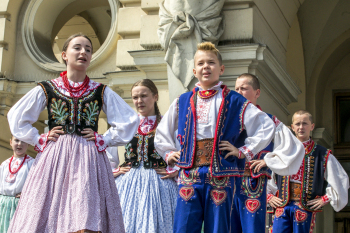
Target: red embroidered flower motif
[
  {"x": 101, "y": 142},
  {"x": 41, "y": 141}
]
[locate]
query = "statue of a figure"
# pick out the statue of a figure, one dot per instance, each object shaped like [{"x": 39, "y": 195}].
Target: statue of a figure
[{"x": 183, "y": 24}]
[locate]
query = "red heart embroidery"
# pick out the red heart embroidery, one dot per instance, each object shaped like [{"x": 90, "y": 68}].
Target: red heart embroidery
[
  {"x": 218, "y": 196},
  {"x": 300, "y": 216},
  {"x": 279, "y": 212},
  {"x": 186, "y": 192},
  {"x": 252, "y": 205}
]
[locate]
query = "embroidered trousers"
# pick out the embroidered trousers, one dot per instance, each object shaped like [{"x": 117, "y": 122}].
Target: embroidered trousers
[
  {"x": 248, "y": 213},
  {"x": 292, "y": 218},
  {"x": 203, "y": 198}
]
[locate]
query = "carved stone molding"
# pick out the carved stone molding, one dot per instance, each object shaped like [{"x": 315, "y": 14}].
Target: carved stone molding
[
  {"x": 7, "y": 92},
  {"x": 322, "y": 137},
  {"x": 258, "y": 60}
]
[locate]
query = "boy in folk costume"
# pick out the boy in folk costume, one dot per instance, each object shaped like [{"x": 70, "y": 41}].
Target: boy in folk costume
[
  {"x": 218, "y": 131},
  {"x": 320, "y": 180},
  {"x": 283, "y": 156}
]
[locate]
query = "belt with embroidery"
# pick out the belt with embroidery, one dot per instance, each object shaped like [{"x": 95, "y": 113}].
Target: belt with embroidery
[
  {"x": 295, "y": 190},
  {"x": 204, "y": 150}
]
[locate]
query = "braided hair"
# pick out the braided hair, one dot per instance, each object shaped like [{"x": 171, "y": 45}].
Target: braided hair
[{"x": 152, "y": 87}]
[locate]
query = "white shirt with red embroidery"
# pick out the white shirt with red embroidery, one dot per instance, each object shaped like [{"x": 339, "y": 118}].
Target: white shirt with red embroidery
[
  {"x": 260, "y": 128},
  {"x": 335, "y": 175},
  {"x": 120, "y": 116},
  {"x": 12, "y": 184}
]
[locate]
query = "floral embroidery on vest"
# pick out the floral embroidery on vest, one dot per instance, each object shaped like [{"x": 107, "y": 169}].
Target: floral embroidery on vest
[
  {"x": 129, "y": 152},
  {"x": 59, "y": 111},
  {"x": 90, "y": 113}
]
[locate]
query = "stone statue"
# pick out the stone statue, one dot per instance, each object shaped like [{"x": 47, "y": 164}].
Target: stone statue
[{"x": 183, "y": 24}]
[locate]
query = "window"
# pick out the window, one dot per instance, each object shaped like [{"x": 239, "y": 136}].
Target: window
[{"x": 342, "y": 125}]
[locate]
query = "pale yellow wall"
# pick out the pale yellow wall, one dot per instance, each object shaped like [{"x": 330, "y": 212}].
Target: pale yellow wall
[{"x": 295, "y": 66}]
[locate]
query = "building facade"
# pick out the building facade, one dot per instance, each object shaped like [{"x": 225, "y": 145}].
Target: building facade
[{"x": 299, "y": 49}]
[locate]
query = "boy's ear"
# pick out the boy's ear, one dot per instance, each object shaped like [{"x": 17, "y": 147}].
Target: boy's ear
[
  {"x": 257, "y": 93},
  {"x": 222, "y": 69},
  {"x": 312, "y": 126}
]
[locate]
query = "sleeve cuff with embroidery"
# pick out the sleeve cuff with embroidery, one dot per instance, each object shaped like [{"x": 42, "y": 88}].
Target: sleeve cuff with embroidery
[
  {"x": 167, "y": 156},
  {"x": 268, "y": 197},
  {"x": 170, "y": 170},
  {"x": 116, "y": 170},
  {"x": 41, "y": 142},
  {"x": 326, "y": 199},
  {"x": 248, "y": 154},
  {"x": 100, "y": 142}
]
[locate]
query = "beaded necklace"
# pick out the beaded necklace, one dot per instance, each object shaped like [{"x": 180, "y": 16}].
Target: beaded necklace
[
  {"x": 14, "y": 172},
  {"x": 73, "y": 90}
]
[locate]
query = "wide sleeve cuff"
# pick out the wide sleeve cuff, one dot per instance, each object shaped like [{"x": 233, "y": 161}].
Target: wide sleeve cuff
[
  {"x": 248, "y": 154},
  {"x": 268, "y": 197},
  {"x": 167, "y": 154},
  {"x": 326, "y": 199},
  {"x": 170, "y": 170},
  {"x": 100, "y": 142},
  {"x": 116, "y": 170},
  {"x": 41, "y": 142}
]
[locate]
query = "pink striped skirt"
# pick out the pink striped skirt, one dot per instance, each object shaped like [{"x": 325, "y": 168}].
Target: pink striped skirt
[{"x": 70, "y": 187}]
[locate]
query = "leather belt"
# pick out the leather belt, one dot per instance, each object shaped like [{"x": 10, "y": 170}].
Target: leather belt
[
  {"x": 204, "y": 150},
  {"x": 295, "y": 190}
]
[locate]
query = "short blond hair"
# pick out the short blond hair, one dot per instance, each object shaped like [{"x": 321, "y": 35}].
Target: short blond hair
[
  {"x": 208, "y": 46},
  {"x": 302, "y": 112}
]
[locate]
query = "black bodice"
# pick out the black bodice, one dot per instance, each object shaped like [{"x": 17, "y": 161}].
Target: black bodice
[
  {"x": 141, "y": 148},
  {"x": 73, "y": 114}
]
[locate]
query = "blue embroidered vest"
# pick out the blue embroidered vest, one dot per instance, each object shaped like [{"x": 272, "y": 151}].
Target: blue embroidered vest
[
  {"x": 229, "y": 127},
  {"x": 313, "y": 184}
]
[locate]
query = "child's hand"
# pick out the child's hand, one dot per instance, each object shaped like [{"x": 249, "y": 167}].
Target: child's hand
[
  {"x": 232, "y": 150},
  {"x": 275, "y": 202},
  {"x": 89, "y": 134},
  {"x": 317, "y": 203},
  {"x": 258, "y": 164},
  {"x": 166, "y": 175},
  {"x": 173, "y": 158},
  {"x": 122, "y": 170},
  {"x": 55, "y": 133}
]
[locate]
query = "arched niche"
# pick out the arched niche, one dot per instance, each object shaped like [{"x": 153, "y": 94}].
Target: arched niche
[
  {"x": 43, "y": 19},
  {"x": 325, "y": 65}
]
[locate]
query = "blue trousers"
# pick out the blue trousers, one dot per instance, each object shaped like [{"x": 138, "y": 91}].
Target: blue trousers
[
  {"x": 292, "y": 218},
  {"x": 203, "y": 198},
  {"x": 248, "y": 213}
]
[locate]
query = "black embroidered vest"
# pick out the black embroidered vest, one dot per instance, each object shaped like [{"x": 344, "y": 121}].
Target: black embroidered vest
[
  {"x": 73, "y": 114},
  {"x": 141, "y": 148},
  {"x": 313, "y": 182}
]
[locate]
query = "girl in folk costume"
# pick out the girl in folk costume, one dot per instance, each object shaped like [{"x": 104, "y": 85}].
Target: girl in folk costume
[
  {"x": 70, "y": 187},
  {"x": 145, "y": 185},
  {"x": 13, "y": 174}
]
